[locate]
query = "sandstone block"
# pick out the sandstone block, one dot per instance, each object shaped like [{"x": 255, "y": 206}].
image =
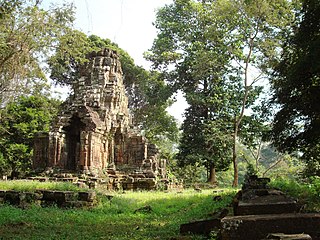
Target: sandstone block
[
  {"x": 14, "y": 197},
  {"x": 253, "y": 227},
  {"x": 257, "y": 208},
  {"x": 48, "y": 195},
  {"x": 89, "y": 196}
]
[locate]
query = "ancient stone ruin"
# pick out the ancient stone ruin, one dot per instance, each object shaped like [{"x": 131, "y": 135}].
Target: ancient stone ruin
[
  {"x": 259, "y": 212},
  {"x": 93, "y": 133},
  {"x": 46, "y": 198}
]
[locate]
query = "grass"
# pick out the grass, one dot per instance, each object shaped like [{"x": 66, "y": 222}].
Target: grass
[
  {"x": 115, "y": 219},
  {"x": 27, "y": 186}
]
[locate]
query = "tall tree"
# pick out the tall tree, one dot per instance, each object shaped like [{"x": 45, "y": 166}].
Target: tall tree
[
  {"x": 296, "y": 86},
  {"x": 28, "y": 35},
  {"x": 183, "y": 45},
  {"x": 256, "y": 34},
  {"x": 220, "y": 43}
]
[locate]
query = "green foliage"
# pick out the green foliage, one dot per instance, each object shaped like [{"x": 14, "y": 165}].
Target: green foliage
[
  {"x": 306, "y": 192},
  {"x": 208, "y": 50},
  {"x": 190, "y": 174},
  {"x": 20, "y": 121},
  {"x": 219, "y": 144},
  {"x": 114, "y": 219},
  {"x": 268, "y": 162},
  {"x": 296, "y": 85},
  {"x": 29, "y": 34},
  {"x": 251, "y": 170},
  {"x": 311, "y": 157},
  {"x": 197, "y": 71},
  {"x": 152, "y": 98},
  {"x": 4, "y": 165}
]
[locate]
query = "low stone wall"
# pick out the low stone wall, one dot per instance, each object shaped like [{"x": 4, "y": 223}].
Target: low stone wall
[
  {"x": 115, "y": 180},
  {"x": 44, "y": 198}
]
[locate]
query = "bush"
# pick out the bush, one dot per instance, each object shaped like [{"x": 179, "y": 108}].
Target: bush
[{"x": 307, "y": 192}]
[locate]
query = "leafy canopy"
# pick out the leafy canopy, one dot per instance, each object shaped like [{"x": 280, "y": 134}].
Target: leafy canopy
[
  {"x": 20, "y": 121},
  {"x": 29, "y": 34},
  {"x": 296, "y": 86},
  {"x": 216, "y": 52}
]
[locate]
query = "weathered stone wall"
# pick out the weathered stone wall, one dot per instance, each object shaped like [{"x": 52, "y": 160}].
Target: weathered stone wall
[
  {"x": 92, "y": 133},
  {"x": 45, "y": 198}
]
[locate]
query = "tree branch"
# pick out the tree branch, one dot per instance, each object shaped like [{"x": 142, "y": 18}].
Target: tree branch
[{"x": 272, "y": 166}]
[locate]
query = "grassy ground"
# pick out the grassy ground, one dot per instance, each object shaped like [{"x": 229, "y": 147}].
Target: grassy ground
[
  {"x": 115, "y": 219},
  {"x": 25, "y": 185}
]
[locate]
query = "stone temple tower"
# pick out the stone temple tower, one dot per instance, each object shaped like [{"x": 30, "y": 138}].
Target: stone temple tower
[{"x": 92, "y": 133}]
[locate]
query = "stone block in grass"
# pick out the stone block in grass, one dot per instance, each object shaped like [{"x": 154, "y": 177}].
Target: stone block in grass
[
  {"x": 2, "y": 193},
  {"x": 253, "y": 227},
  {"x": 63, "y": 196},
  {"x": 48, "y": 195},
  {"x": 282, "y": 236},
  {"x": 89, "y": 196},
  {"x": 33, "y": 197},
  {"x": 14, "y": 197}
]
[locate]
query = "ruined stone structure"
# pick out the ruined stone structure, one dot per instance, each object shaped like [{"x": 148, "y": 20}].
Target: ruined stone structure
[{"x": 92, "y": 133}]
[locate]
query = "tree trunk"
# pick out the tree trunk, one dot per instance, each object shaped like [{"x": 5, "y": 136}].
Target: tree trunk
[
  {"x": 238, "y": 119},
  {"x": 234, "y": 155},
  {"x": 212, "y": 175}
]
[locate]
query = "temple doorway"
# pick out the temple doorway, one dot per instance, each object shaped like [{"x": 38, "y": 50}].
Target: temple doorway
[{"x": 73, "y": 142}]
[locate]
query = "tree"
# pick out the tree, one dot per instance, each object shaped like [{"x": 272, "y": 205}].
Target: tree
[
  {"x": 20, "y": 121},
  {"x": 28, "y": 35},
  {"x": 296, "y": 86},
  {"x": 221, "y": 49},
  {"x": 198, "y": 70},
  {"x": 257, "y": 33}
]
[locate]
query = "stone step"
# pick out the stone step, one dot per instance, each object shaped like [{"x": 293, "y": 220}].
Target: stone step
[
  {"x": 263, "y": 201},
  {"x": 254, "y": 227},
  {"x": 266, "y": 205}
]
